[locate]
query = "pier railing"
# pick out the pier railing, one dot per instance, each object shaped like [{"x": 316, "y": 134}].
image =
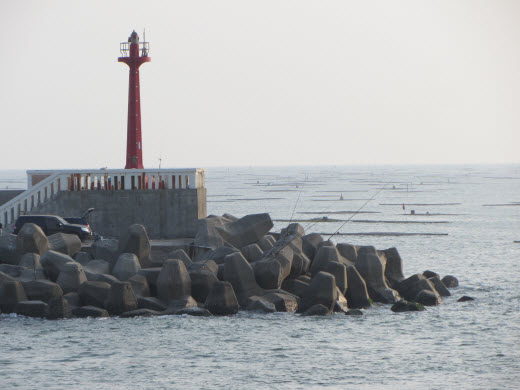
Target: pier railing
[{"x": 44, "y": 185}]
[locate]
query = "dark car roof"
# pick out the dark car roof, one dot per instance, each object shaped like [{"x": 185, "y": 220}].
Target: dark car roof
[
  {"x": 29, "y": 216},
  {"x": 38, "y": 215}
]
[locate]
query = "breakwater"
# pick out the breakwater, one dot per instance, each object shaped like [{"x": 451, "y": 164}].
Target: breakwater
[{"x": 232, "y": 264}]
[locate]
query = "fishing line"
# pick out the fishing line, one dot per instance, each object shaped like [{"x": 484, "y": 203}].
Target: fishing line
[
  {"x": 357, "y": 211},
  {"x": 278, "y": 250},
  {"x": 297, "y": 200}
]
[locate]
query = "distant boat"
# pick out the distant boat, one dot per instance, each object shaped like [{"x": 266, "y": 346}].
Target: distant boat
[{"x": 341, "y": 197}]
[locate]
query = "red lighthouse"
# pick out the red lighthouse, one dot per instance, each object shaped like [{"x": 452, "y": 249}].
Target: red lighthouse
[{"x": 134, "y": 54}]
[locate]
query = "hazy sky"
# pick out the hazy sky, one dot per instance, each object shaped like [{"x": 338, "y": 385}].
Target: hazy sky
[{"x": 262, "y": 82}]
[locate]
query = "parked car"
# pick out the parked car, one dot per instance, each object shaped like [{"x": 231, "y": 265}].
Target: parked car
[{"x": 51, "y": 224}]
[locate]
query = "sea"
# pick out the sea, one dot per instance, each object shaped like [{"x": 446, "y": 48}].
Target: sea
[{"x": 461, "y": 220}]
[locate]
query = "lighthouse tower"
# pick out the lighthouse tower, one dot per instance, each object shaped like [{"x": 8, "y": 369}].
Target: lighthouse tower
[
  {"x": 134, "y": 54},
  {"x": 168, "y": 202}
]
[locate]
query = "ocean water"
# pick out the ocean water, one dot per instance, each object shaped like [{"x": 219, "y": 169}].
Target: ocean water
[{"x": 466, "y": 222}]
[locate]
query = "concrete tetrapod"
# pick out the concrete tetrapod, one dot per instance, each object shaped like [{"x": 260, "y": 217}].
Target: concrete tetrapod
[
  {"x": 317, "y": 310},
  {"x": 94, "y": 293},
  {"x": 340, "y": 275},
  {"x": 140, "y": 286},
  {"x": 450, "y": 281},
  {"x": 31, "y": 309},
  {"x": 294, "y": 286},
  {"x": 293, "y": 230},
  {"x": 428, "y": 298},
  {"x": 310, "y": 244},
  {"x": 97, "y": 267},
  {"x": 180, "y": 255},
  {"x": 107, "y": 250},
  {"x": 268, "y": 273},
  {"x": 201, "y": 282},
  {"x": 58, "y": 308},
  {"x": 31, "y": 239},
  {"x": 218, "y": 255},
  {"x": 121, "y": 298},
  {"x": 71, "y": 277},
  {"x": 321, "y": 290},
  {"x": 439, "y": 287},
  {"x": 136, "y": 241},
  {"x": 348, "y": 251},
  {"x": 69, "y": 244},
  {"x": 222, "y": 299},
  {"x": 8, "y": 253},
  {"x": 239, "y": 273},
  {"x": 34, "y": 269},
  {"x": 283, "y": 301},
  {"x": 53, "y": 262},
  {"x": 259, "y": 304},
  {"x": 247, "y": 230},
  {"x": 84, "y": 258},
  {"x": 252, "y": 253},
  {"x": 151, "y": 303},
  {"x": 151, "y": 275},
  {"x": 11, "y": 292},
  {"x": 14, "y": 271},
  {"x": 127, "y": 265},
  {"x": 72, "y": 299},
  {"x": 411, "y": 286},
  {"x": 207, "y": 235},
  {"x": 300, "y": 265},
  {"x": 357, "y": 293},
  {"x": 266, "y": 242},
  {"x": 89, "y": 311},
  {"x": 206, "y": 265},
  {"x": 393, "y": 267},
  {"x": 324, "y": 256},
  {"x": 371, "y": 270},
  {"x": 173, "y": 282},
  {"x": 404, "y": 306},
  {"x": 42, "y": 290}
]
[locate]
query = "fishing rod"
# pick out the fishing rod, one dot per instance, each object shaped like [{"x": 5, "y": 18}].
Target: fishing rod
[
  {"x": 357, "y": 211},
  {"x": 276, "y": 251},
  {"x": 297, "y": 200}
]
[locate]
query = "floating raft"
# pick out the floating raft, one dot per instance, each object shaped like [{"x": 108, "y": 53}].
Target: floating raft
[
  {"x": 339, "y": 212},
  {"x": 241, "y": 200},
  {"x": 502, "y": 204},
  {"x": 429, "y": 214},
  {"x": 338, "y": 200},
  {"x": 327, "y": 220},
  {"x": 387, "y": 221},
  {"x": 222, "y": 195},
  {"x": 340, "y": 191},
  {"x": 287, "y": 190},
  {"x": 383, "y": 234},
  {"x": 419, "y": 204}
]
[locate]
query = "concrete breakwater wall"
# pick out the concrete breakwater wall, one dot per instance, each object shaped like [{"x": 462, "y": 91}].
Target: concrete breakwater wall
[
  {"x": 164, "y": 214},
  {"x": 237, "y": 264}
]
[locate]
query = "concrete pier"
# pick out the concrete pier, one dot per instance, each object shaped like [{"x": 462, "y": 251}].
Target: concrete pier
[
  {"x": 164, "y": 213},
  {"x": 168, "y": 202}
]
